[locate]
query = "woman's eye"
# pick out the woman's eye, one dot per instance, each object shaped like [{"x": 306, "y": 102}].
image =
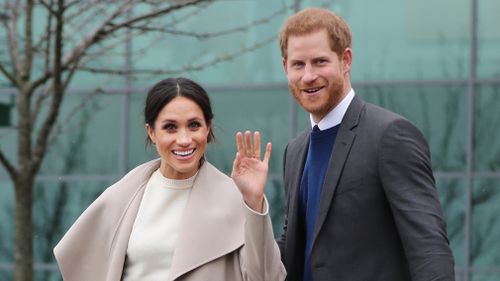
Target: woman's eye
[
  {"x": 195, "y": 125},
  {"x": 169, "y": 127}
]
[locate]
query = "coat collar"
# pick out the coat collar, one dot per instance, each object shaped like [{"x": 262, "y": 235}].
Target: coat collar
[{"x": 213, "y": 222}]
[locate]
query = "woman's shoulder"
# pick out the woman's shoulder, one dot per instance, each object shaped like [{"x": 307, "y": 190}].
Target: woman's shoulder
[{"x": 137, "y": 176}]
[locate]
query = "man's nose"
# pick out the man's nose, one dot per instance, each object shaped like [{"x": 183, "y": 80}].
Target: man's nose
[{"x": 309, "y": 74}]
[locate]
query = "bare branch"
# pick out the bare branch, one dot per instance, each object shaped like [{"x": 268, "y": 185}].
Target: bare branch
[
  {"x": 8, "y": 166},
  {"x": 97, "y": 13},
  {"x": 72, "y": 71},
  {"x": 48, "y": 6},
  {"x": 200, "y": 7},
  {"x": 39, "y": 102},
  {"x": 48, "y": 90},
  {"x": 59, "y": 128},
  {"x": 48, "y": 42},
  {"x": 102, "y": 32},
  {"x": 222, "y": 58},
  {"x": 80, "y": 48},
  {"x": 156, "y": 13},
  {"x": 9, "y": 76},
  {"x": 28, "y": 41},
  {"x": 57, "y": 97},
  {"x": 12, "y": 37},
  {"x": 104, "y": 49},
  {"x": 72, "y": 3},
  {"x": 205, "y": 35}
]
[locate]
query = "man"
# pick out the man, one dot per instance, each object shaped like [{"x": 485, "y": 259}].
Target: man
[{"x": 361, "y": 198}]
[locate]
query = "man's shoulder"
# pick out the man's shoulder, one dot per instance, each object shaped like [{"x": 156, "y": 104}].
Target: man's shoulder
[
  {"x": 376, "y": 116},
  {"x": 377, "y": 119}
]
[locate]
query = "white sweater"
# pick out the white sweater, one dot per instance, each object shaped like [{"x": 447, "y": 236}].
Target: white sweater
[{"x": 152, "y": 241}]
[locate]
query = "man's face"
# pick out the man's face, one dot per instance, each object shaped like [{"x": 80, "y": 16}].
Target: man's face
[{"x": 317, "y": 77}]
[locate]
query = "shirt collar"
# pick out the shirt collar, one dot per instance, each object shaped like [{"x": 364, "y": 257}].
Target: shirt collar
[{"x": 334, "y": 117}]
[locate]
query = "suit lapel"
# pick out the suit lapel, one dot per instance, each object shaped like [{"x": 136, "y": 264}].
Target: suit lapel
[
  {"x": 297, "y": 162},
  {"x": 343, "y": 143},
  {"x": 212, "y": 223},
  {"x": 294, "y": 165}
]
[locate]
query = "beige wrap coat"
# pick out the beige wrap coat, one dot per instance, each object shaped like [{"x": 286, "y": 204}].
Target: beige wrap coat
[{"x": 219, "y": 239}]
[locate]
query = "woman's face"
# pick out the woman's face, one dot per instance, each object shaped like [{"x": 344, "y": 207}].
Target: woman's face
[{"x": 180, "y": 134}]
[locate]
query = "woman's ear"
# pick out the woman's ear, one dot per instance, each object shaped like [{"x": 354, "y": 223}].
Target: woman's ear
[
  {"x": 151, "y": 133},
  {"x": 209, "y": 135}
]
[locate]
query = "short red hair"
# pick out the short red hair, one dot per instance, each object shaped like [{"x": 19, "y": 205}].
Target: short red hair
[{"x": 315, "y": 19}]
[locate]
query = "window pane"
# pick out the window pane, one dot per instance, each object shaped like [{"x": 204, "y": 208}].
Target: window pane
[
  {"x": 88, "y": 138},
  {"x": 249, "y": 56},
  {"x": 6, "y": 222},
  {"x": 487, "y": 129},
  {"x": 137, "y": 151},
  {"x": 452, "y": 197},
  {"x": 275, "y": 193},
  {"x": 479, "y": 276},
  {"x": 485, "y": 223},
  {"x": 488, "y": 39},
  {"x": 56, "y": 207},
  {"x": 262, "y": 110},
  {"x": 394, "y": 39}
]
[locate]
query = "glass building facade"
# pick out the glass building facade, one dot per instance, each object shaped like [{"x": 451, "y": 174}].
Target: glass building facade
[{"x": 435, "y": 62}]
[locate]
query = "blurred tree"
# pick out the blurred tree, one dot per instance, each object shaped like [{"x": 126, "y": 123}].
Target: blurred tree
[{"x": 41, "y": 57}]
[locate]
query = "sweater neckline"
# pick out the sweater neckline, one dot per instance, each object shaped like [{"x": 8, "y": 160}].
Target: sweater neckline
[{"x": 165, "y": 182}]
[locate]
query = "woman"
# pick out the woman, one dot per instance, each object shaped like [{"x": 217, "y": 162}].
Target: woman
[{"x": 178, "y": 217}]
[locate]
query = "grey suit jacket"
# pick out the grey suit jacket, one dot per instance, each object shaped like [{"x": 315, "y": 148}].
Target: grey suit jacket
[
  {"x": 379, "y": 216},
  {"x": 219, "y": 239}
]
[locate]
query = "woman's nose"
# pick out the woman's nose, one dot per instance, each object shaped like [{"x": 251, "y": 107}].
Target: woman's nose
[{"x": 184, "y": 137}]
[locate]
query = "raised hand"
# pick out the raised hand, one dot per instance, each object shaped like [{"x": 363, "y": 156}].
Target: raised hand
[{"x": 249, "y": 172}]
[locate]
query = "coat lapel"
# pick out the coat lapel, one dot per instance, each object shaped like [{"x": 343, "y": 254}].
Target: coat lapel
[
  {"x": 118, "y": 249},
  {"x": 212, "y": 225},
  {"x": 341, "y": 149},
  {"x": 95, "y": 246}
]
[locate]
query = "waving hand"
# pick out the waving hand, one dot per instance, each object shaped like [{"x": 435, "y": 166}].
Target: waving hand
[{"x": 249, "y": 171}]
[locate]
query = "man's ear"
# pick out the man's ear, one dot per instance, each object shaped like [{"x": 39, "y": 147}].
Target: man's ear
[
  {"x": 347, "y": 60},
  {"x": 283, "y": 61}
]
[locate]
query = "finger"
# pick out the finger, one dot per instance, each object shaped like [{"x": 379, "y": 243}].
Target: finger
[
  {"x": 239, "y": 143},
  {"x": 256, "y": 143},
  {"x": 236, "y": 164},
  {"x": 267, "y": 154},
  {"x": 248, "y": 144}
]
